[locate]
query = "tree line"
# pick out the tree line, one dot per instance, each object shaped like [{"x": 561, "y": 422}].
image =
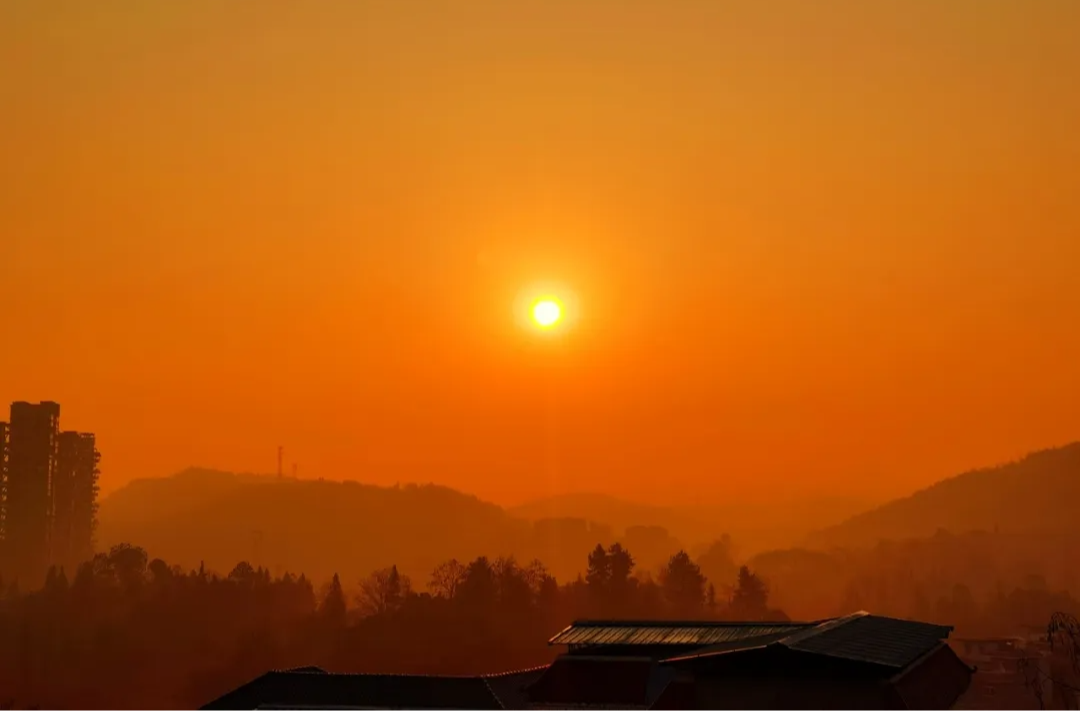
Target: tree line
[{"x": 127, "y": 631}]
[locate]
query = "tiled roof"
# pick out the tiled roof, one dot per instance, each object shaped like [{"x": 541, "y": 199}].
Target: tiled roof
[
  {"x": 861, "y": 637},
  {"x": 674, "y": 634},
  {"x": 311, "y": 689}
]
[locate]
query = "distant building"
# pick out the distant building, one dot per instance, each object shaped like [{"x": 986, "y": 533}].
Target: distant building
[
  {"x": 33, "y": 438},
  {"x": 74, "y": 499},
  {"x": 48, "y": 493},
  {"x": 860, "y": 661}
]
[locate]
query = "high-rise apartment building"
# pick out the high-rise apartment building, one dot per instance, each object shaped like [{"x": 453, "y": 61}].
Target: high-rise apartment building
[
  {"x": 48, "y": 493},
  {"x": 74, "y": 499},
  {"x": 33, "y": 441}
]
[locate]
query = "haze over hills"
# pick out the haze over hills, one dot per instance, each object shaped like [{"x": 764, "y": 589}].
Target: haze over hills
[
  {"x": 754, "y": 526},
  {"x": 1036, "y": 494},
  {"x": 321, "y": 527},
  {"x": 312, "y": 526}
]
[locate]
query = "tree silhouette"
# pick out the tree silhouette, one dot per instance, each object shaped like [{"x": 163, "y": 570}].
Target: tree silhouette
[
  {"x": 243, "y": 573},
  {"x": 717, "y": 562},
  {"x": 609, "y": 580},
  {"x": 514, "y": 591},
  {"x": 332, "y": 608},
  {"x": 127, "y": 564},
  {"x": 683, "y": 585},
  {"x": 479, "y": 589},
  {"x": 598, "y": 571},
  {"x": 446, "y": 579},
  {"x": 383, "y": 591},
  {"x": 620, "y": 572},
  {"x": 160, "y": 572},
  {"x": 1062, "y": 674},
  {"x": 750, "y": 598}
]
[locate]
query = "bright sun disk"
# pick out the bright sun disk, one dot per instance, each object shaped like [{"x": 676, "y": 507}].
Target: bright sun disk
[{"x": 546, "y": 313}]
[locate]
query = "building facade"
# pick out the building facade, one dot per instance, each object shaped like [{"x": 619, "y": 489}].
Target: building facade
[
  {"x": 33, "y": 438},
  {"x": 48, "y": 493},
  {"x": 74, "y": 499}
]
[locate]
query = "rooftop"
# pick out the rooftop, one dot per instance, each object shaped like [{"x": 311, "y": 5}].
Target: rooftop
[
  {"x": 859, "y": 637},
  {"x": 668, "y": 633},
  {"x": 314, "y": 688}
]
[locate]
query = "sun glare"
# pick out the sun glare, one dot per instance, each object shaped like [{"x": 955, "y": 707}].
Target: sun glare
[
  {"x": 547, "y": 309},
  {"x": 546, "y": 313}
]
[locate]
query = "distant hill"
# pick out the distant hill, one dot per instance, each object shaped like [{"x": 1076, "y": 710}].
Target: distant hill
[
  {"x": 613, "y": 511},
  {"x": 149, "y": 499},
  {"x": 753, "y": 526},
  {"x": 1038, "y": 494},
  {"x": 323, "y": 527},
  {"x": 317, "y": 527}
]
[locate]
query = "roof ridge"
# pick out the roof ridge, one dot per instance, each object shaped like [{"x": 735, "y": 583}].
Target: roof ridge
[
  {"x": 689, "y": 623},
  {"x": 384, "y": 674},
  {"x": 821, "y": 627},
  {"x": 496, "y": 675}
]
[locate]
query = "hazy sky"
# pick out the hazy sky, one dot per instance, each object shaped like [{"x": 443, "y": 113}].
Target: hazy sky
[{"x": 827, "y": 246}]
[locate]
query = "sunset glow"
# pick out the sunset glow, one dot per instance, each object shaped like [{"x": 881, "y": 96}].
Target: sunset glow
[{"x": 778, "y": 247}]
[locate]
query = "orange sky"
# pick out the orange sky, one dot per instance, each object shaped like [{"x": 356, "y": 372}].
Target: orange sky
[{"x": 818, "y": 247}]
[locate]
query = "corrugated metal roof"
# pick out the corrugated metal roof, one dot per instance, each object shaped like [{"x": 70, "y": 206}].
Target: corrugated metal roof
[
  {"x": 869, "y": 638},
  {"x": 683, "y": 634},
  {"x": 860, "y": 637}
]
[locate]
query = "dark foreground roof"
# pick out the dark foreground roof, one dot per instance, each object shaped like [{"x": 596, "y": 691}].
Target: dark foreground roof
[
  {"x": 860, "y": 637},
  {"x": 625, "y": 682},
  {"x": 512, "y": 688},
  {"x": 308, "y": 688},
  {"x": 863, "y": 637},
  {"x": 937, "y": 681}
]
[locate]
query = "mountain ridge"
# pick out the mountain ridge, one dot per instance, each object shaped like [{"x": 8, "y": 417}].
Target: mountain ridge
[{"x": 1029, "y": 494}]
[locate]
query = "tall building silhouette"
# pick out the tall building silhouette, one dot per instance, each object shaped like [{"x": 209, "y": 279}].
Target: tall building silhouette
[
  {"x": 74, "y": 499},
  {"x": 33, "y": 440},
  {"x": 48, "y": 493}
]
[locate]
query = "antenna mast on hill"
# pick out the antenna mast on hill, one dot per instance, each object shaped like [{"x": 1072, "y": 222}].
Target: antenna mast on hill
[{"x": 280, "y": 460}]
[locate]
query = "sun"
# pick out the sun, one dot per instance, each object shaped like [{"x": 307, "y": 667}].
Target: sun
[
  {"x": 546, "y": 313},
  {"x": 547, "y": 310}
]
